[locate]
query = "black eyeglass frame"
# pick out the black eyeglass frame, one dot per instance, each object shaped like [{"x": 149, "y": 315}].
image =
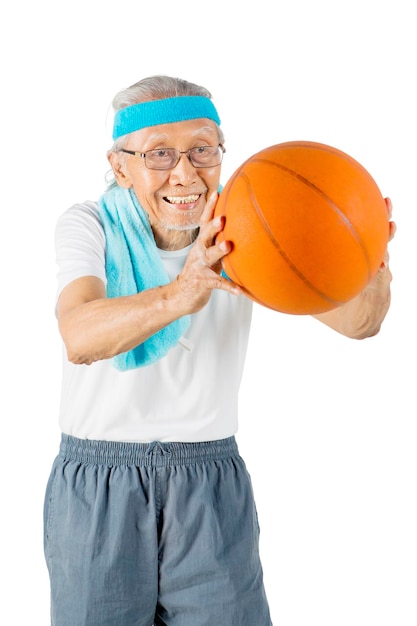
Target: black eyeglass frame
[{"x": 142, "y": 155}]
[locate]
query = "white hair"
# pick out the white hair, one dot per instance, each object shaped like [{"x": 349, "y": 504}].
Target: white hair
[{"x": 154, "y": 88}]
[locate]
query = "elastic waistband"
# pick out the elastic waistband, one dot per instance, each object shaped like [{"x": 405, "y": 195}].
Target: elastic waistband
[{"x": 155, "y": 454}]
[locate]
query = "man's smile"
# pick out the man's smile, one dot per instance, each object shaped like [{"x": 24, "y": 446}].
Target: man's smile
[{"x": 191, "y": 199}]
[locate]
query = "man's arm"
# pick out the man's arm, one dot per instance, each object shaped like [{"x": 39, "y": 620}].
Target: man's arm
[
  {"x": 94, "y": 327},
  {"x": 362, "y": 317}
]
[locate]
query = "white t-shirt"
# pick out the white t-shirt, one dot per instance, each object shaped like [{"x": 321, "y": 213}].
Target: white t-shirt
[{"x": 189, "y": 395}]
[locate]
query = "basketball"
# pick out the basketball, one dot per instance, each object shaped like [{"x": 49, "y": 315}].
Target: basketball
[{"x": 308, "y": 224}]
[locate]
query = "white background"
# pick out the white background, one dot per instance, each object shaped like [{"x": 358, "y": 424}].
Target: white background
[{"x": 328, "y": 425}]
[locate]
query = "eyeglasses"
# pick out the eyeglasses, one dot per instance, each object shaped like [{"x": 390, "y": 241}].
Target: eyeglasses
[{"x": 168, "y": 158}]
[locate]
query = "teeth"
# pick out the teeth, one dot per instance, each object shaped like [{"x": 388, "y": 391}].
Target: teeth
[{"x": 183, "y": 200}]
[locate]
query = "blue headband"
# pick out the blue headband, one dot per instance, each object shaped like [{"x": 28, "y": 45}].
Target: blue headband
[{"x": 164, "y": 111}]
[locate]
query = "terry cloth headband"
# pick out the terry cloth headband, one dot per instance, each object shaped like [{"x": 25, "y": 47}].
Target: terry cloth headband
[{"x": 164, "y": 111}]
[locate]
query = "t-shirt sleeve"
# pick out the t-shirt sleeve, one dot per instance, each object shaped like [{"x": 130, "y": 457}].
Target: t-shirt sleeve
[{"x": 79, "y": 245}]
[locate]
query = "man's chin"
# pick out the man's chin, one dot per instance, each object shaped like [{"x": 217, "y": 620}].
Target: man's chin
[{"x": 181, "y": 228}]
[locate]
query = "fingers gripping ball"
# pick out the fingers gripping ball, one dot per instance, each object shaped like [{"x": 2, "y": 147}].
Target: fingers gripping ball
[{"x": 308, "y": 224}]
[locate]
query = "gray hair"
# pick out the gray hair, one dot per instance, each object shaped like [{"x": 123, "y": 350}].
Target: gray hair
[{"x": 154, "y": 88}]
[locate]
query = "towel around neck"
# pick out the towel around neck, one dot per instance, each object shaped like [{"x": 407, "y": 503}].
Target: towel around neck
[{"x": 133, "y": 265}]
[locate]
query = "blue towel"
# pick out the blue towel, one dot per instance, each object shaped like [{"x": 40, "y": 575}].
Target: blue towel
[{"x": 133, "y": 265}]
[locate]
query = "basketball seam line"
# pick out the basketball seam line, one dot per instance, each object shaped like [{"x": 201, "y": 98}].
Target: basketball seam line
[{"x": 272, "y": 236}]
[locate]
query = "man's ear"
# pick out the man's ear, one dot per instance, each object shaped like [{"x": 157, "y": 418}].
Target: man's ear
[{"x": 116, "y": 161}]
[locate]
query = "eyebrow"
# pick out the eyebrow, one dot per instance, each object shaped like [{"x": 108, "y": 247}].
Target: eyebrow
[{"x": 198, "y": 131}]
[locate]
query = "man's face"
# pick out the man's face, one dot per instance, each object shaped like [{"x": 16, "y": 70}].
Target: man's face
[{"x": 174, "y": 199}]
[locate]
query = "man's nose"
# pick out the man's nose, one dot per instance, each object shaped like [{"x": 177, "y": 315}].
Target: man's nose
[{"x": 184, "y": 169}]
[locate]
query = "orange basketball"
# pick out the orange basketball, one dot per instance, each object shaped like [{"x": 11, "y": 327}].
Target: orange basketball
[{"x": 308, "y": 224}]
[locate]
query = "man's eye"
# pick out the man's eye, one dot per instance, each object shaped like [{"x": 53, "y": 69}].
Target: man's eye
[{"x": 161, "y": 154}]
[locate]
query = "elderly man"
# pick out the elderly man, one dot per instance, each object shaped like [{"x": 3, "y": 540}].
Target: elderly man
[{"x": 149, "y": 511}]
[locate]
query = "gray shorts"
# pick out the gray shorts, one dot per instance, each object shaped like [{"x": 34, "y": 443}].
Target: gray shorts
[{"x": 163, "y": 534}]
